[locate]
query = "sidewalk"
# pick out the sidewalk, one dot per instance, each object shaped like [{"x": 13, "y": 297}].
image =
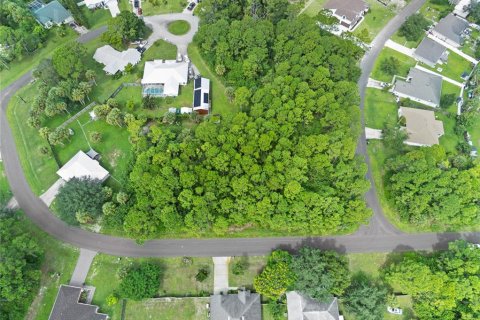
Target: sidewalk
[
  {"x": 398, "y": 47},
  {"x": 81, "y": 269}
]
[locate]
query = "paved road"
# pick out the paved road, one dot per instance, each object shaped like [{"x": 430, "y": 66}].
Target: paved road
[{"x": 378, "y": 236}]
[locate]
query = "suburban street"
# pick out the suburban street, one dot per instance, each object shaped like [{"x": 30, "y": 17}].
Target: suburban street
[{"x": 379, "y": 235}]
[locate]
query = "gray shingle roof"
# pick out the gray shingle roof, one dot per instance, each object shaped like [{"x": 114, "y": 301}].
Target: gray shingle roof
[
  {"x": 351, "y": 9},
  {"x": 235, "y": 306},
  {"x": 67, "y": 307},
  {"x": 430, "y": 50},
  {"x": 52, "y": 11},
  {"x": 452, "y": 27},
  {"x": 422, "y": 85},
  {"x": 301, "y": 307}
]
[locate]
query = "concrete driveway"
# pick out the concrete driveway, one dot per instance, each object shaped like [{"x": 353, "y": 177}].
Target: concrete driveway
[{"x": 159, "y": 26}]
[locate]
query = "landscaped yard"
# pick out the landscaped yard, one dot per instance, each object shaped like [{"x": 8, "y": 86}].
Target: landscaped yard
[
  {"x": 178, "y": 279},
  {"x": 18, "y": 68},
  {"x": 96, "y": 17},
  {"x": 185, "y": 309},
  {"x": 453, "y": 69},
  {"x": 220, "y": 103},
  {"x": 376, "y": 18},
  {"x": 255, "y": 266},
  {"x": 405, "y": 63},
  {"x": 154, "y": 7},
  {"x": 450, "y": 139},
  {"x": 379, "y": 106},
  {"x": 404, "y": 42},
  {"x": 433, "y": 11}
]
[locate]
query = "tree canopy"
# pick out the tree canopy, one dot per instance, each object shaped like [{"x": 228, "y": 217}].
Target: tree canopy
[
  {"x": 430, "y": 189},
  {"x": 123, "y": 28},
  {"x": 414, "y": 27},
  {"x": 444, "y": 285},
  {"x": 365, "y": 299},
  {"x": 320, "y": 274},
  {"x": 20, "y": 274},
  {"x": 286, "y": 162},
  {"x": 84, "y": 196},
  {"x": 67, "y": 60}
]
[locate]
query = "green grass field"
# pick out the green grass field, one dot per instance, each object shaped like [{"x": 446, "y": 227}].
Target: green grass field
[
  {"x": 376, "y": 18},
  {"x": 96, "y": 17},
  {"x": 178, "y": 279},
  {"x": 405, "y": 63},
  {"x": 379, "y": 106},
  {"x": 255, "y": 266},
  {"x": 18, "y": 68},
  {"x": 154, "y": 7},
  {"x": 5, "y": 193},
  {"x": 454, "y": 67},
  {"x": 40, "y": 170},
  {"x": 432, "y": 11},
  {"x": 404, "y": 42},
  {"x": 179, "y": 27},
  {"x": 185, "y": 309},
  {"x": 220, "y": 103},
  {"x": 313, "y": 7}
]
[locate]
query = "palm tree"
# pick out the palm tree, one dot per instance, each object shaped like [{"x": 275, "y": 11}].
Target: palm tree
[
  {"x": 78, "y": 95},
  {"x": 86, "y": 88},
  {"x": 91, "y": 76}
]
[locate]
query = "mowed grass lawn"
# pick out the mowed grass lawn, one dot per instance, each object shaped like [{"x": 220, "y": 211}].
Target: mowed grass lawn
[
  {"x": 154, "y": 7},
  {"x": 5, "y": 193},
  {"x": 405, "y": 63},
  {"x": 96, "y": 17},
  {"x": 432, "y": 11},
  {"x": 219, "y": 101},
  {"x": 379, "y": 107},
  {"x": 313, "y": 7},
  {"x": 40, "y": 170},
  {"x": 404, "y": 42},
  {"x": 18, "y": 68},
  {"x": 179, "y": 27},
  {"x": 160, "y": 309},
  {"x": 178, "y": 279},
  {"x": 453, "y": 69},
  {"x": 376, "y": 18}
]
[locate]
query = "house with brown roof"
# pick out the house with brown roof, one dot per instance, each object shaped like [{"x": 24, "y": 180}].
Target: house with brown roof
[
  {"x": 349, "y": 12},
  {"x": 421, "y": 126}
]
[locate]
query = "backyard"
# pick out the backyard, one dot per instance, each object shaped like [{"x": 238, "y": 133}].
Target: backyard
[
  {"x": 435, "y": 11},
  {"x": 404, "y": 65},
  {"x": 454, "y": 68},
  {"x": 380, "y": 105}
]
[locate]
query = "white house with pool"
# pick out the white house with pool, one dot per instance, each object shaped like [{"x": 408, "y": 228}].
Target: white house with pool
[{"x": 163, "y": 78}]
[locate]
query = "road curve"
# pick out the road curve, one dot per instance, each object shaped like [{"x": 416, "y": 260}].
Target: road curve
[
  {"x": 378, "y": 223},
  {"x": 39, "y": 213}
]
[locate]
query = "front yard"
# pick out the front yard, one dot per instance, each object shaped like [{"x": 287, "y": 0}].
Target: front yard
[
  {"x": 379, "y": 107},
  {"x": 174, "y": 309},
  {"x": 376, "y": 18},
  {"x": 154, "y": 7},
  {"x": 404, "y": 65}
]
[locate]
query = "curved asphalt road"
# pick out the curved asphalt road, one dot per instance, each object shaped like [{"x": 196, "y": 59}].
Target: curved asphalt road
[{"x": 378, "y": 236}]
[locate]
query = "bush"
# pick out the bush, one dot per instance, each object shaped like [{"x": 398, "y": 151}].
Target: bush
[
  {"x": 112, "y": 300},
  {"x": 95, "y": 136},
  {"x": 414, "y": 27},
  {"x": 390, "y": 65},
  {"x": 447, "y": 100},
  {"x": 187, "y": 261},
  {"x": 202, "y": 274},
  {"x": 240, "y": 266},
  {"x": 141, "y": 281}
]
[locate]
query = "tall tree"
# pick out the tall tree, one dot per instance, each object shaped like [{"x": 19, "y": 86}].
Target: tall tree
[
  {"x": 67, "y": 60},
  {"x": 277, "y": 276}
]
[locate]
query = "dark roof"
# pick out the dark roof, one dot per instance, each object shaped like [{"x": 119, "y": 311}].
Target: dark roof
[
  {"x": 301, "y": 307},
  {"x": 351, "y": 9},
  {"x": 244, "y": 305},
  {"x": 197, "y": 83},
  {"x": 52, "y": 11},
  {"x": 197, "y": 96},
  {"x": 430, "y": 50},
  {"x": 422, "y": 85},
  {"x": 67, "y": 307},
  {"x": 452, "y": 27}
]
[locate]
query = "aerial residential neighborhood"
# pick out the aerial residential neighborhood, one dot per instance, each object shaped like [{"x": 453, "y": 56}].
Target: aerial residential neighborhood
[{"x": 240, "y": 159}]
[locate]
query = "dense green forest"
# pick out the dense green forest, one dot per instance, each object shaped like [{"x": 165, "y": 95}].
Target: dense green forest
[{"x": 287, "y": 161}]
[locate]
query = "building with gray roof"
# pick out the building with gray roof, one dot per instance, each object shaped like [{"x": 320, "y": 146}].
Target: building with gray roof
[
  {"x": 68, "y": 307},
  {"x": 451, "y": 30},
  {"x": 349, "y": 13},
  {"x": 52, "y": 13},
  {"x": 420, "y": 86},
  {"x": 430, "y": 52},
  {"x": 241, "y": 306},
  {"x": 301, "y": 307}
]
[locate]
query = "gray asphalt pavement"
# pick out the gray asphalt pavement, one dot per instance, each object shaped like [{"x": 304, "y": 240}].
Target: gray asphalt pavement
[{"x": 380, "y": 236}]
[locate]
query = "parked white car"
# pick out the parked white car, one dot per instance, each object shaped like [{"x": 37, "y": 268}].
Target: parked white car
[{"x": 394, "y": 310}]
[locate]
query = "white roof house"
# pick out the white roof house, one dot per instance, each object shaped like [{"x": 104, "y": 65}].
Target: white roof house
[
  {"x": 81, "y": 166},
  {"x": 114, "y": 60},
  {"x": 111, "y": 5},
  {"x": 201, "y": 95},
  {"x": 163, "y": 77}
]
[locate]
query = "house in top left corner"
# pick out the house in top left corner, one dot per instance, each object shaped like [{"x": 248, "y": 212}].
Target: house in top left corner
[{"x": 50, "y": 14}]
